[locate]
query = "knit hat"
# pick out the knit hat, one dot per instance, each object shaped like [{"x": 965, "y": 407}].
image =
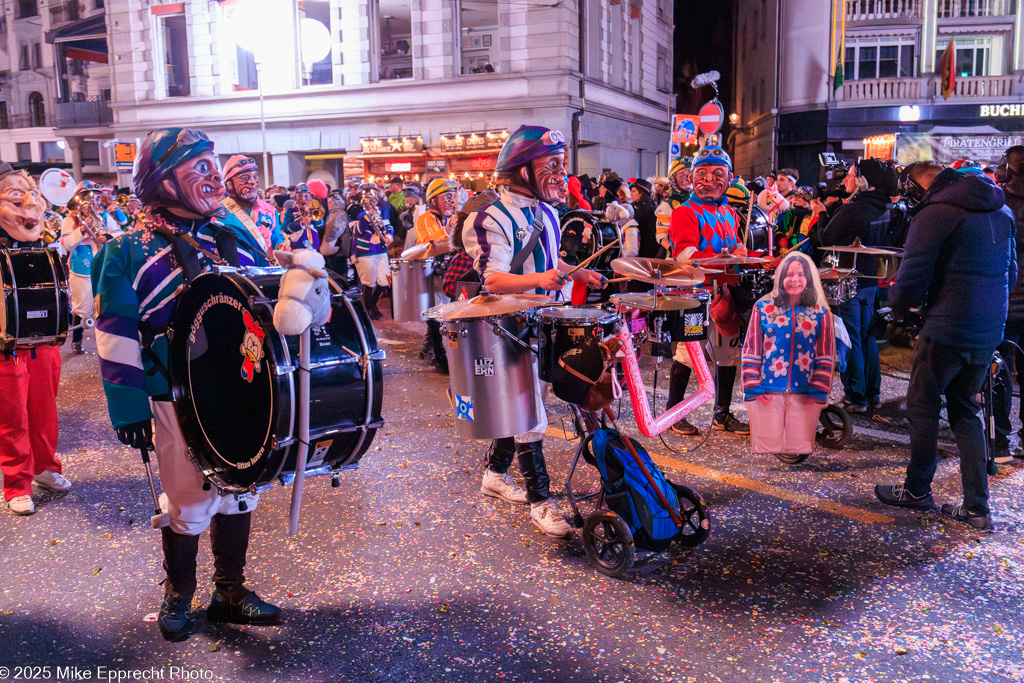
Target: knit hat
[
  {"x": 737, "y": 192},
  {"x": 879, "y": 175},
  {"x": 438, "y": 186},
  {"x": 680, "y": 164}
]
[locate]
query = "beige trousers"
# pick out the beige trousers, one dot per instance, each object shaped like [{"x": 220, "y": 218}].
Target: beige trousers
[{"x": 784, "y": 423}]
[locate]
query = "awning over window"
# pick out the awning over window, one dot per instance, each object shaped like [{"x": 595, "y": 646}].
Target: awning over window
[{"x": 85, "y": 39}]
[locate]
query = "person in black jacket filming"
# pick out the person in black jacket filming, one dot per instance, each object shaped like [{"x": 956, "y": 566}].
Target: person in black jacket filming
[{"x": 959, "y": 263}]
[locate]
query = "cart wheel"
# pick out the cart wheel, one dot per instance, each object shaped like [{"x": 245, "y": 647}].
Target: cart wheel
[
  {"x": 788, "y": 459},
  {"x": 695, "y": 515},
  {"x": 836, "y": 429},
  {"x": 993, "y": 468},
  {"x": 609, "y": 543}
]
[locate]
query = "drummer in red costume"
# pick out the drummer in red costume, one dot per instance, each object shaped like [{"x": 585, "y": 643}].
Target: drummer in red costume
[
  {"x": 702, "y": 227},
  {"x": 28, "y": 376}
]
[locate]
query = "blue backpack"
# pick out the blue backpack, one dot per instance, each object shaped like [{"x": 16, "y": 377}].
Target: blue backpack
[{"x": 628, "y": 492}]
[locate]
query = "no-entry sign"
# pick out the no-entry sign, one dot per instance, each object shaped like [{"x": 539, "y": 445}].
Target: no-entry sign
[{"x": 711, "y": 117}]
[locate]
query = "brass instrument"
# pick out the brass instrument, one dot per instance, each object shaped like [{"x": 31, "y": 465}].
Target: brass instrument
[
  {"x": 317, "y": 214},
  {"x": 123, "y": 199},
  {"x": 51, "y": 226},
  {"x": 93, "y": 226}
]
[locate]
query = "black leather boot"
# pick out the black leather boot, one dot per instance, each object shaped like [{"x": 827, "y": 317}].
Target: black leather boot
[
  {"x": 500, "y": 454},
  {"x": 180, "y": 565},
  {"x": 434, "y": 335},
  {"x": 534, "y": 469},
  {"x": 370, "y": 303},
  {"x": 232, "y": 602}
]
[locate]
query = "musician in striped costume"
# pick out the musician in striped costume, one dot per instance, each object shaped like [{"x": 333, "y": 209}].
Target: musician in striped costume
[
  {"x": 533, "y": 160},
  {"x": 138, "y": 276}
]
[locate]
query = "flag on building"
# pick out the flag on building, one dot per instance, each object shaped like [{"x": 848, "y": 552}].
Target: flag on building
[
  {"x": 946, "y": 70},
  {"x": 838, "y": 43}
]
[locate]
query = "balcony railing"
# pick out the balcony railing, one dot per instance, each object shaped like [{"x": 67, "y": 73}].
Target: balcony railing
[
  {"x": 84, "y": 114},
  {"x": 958, "y": 9},
  {"x": 929, "y": 87},
  {"x": 869, "y": 10}
]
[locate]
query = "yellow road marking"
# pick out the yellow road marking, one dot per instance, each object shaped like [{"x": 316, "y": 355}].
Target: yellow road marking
[{"x": 742, "y": 482}]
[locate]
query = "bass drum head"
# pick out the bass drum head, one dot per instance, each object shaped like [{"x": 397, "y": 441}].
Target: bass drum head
[{"x": 223, "y": 356}]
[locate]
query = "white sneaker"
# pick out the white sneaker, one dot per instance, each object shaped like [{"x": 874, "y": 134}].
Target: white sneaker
[
  {"x": 21, "y": 505},
  {"x": 547, "y": 517},
  {"x": 502, "y": 486},
  {"x": 52, "y": 481}
]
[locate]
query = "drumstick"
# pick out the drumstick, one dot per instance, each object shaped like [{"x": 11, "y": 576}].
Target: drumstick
[
  {"x": 592, "y": 257},
  {"x": 619, "y": 279},
  {"x": 795, "y": 246}
]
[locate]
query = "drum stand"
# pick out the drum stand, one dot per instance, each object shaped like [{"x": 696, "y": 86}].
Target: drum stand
[
  {"x": 159, "y": 519},
  {"x": 303, "y": 455}
]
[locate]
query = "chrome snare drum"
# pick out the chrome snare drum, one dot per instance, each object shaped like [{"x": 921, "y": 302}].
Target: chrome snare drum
[
  {"x": 561, "y": 328},
  {"x": 412, "y": 286}
]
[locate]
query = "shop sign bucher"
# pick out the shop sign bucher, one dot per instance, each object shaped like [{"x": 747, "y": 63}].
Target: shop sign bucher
[
  {"x": 405, "y": 144},
  {"x": 124, "y": 154},
  {"x": 473, "y": 142}
]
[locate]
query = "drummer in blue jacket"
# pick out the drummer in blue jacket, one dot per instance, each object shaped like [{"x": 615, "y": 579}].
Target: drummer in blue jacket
[{"x": 137, "y": 277}]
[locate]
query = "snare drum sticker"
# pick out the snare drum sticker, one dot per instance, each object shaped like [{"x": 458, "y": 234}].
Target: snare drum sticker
[
  {"x": 251, "y": 348},
  {"x": 693, "y": 323},
  {"x": 464, "y": 408},
  {"x": 483, "y": 367}
]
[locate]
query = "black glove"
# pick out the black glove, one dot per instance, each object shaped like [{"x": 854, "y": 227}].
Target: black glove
[{"x": 137, "y": 434}]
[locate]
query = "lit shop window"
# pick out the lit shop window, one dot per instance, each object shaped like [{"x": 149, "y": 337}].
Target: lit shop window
[
  {"x": 478, "y": 36},
  {"x": 174, "y": 54},
  {"x": 880, "y": 58},
  {"x": 973, "y": 57},
  {"x": 391, "y": 31}
]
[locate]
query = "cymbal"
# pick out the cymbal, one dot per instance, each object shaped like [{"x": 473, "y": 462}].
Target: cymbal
[
  {"x": 427, "y": 250},
  {"x": 729, "y": 260},
  {"x": 858, "y": 248},
  {"x": 658, "y": 271},
  {"x": 650, "y": 302},
  {"x": 842, "y": 274},
  {"x": 486, "y": 306}
]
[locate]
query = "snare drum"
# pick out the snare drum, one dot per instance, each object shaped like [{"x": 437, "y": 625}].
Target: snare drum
[
  {"x": 235, "y": 382},
  {"x": 561, "y": 328},
  {"x": 35, "y": 309},
  {"x": 412, "y": 287},
  {"x": 689, "y": 325},
  {"x": 493, "y": 376},
  {"x": 839, "y": 291}
]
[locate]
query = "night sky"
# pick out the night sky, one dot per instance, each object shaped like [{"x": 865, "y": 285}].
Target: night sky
[{"x": 703, "y": 41}]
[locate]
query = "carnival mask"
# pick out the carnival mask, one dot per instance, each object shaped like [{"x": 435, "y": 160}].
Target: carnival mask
[
  {"x": 21, "y": 208},
  {"x": 245, "y": 186},
  {"x": 200, "y": 188},
  {"x": 549, "y": 178},
  {"x": 710, "y": 181},
  {"x": 445, "y": 203}
]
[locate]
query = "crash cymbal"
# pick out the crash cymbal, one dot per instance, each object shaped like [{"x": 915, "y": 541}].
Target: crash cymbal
[
  {"x": 729, "y": 260},
  {"x": 858, "y": 248},
  {"x": 649, "y": 302},
  {"x": 486, "y": 306},
  {"x": 427, "y": 250},
  {"x": 842, "y": 274},
  {"x": 658, "y": 271}
]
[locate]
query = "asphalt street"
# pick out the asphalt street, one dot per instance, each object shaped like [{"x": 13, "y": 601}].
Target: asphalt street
[{"x": 407, "y": 573}]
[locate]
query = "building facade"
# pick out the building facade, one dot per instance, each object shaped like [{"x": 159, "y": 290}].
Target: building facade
[
  {"x": 888, "y": 102},
  {"x": 355, "y": 87}
]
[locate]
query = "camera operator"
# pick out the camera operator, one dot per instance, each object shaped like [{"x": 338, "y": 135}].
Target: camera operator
[{"x": 865, "y": 217}]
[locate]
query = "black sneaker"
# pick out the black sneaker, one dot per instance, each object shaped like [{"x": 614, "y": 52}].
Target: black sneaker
[
  {"x": 852, "y": 408},
  {"x": 727, "y": 422},
  {"x": 173, "y": 618},
  {"x": 899, "y": 496},
  {"x": 252, "y": 610},
  {"x": 977, "y": 522},
  {"x": 684, "y": 428}
]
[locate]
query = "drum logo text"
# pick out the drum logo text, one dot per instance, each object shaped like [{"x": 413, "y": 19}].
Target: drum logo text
[
  {"x": 252, "y": 347},
  {"x": 483, "y": 367}
]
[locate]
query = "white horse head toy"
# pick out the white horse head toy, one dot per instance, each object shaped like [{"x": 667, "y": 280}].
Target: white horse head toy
[{"x": 304, "y": 298}]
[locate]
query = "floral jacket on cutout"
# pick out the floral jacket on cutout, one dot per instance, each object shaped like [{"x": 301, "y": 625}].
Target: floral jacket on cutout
[{"x": 788, "y": 349}]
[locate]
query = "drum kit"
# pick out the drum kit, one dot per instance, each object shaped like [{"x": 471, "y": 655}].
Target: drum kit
[{"x": 840, "y": 284}]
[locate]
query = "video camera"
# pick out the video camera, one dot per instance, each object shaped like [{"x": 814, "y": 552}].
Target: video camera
[{"x": 835, "y": 171}]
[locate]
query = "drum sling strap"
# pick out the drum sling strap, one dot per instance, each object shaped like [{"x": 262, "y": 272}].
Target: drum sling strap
[
  {"x": 186, "y": 251},
  {"x": 473, "y": 288}
]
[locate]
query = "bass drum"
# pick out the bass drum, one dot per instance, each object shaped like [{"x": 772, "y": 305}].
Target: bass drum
[
  {"x": 35, "y": 308},
  {"x": 583, "y": 235},
  {"x": 235, "y": 383}
]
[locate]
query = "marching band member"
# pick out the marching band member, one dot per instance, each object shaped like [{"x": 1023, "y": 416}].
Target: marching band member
[
  {"x": 253, "y": 220},
  {"x": 28, "y": 377},
  {"x": 533, "y": 159},
  {"x": 703, "y": 226},
  {"x": 430, "y": 227},
  {"x": 679, "y": 178},
  {"x": 85, "y": 229},
  {"x": 138, "y": 276},
  {"x": 303, "y": 230},
  {"x": 372, "y": 236}
]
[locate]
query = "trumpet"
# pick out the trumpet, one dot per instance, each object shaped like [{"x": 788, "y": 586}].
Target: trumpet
[
  {"x": 51, "y": 226},
  {"x": 123, "y": 199},
  {"x": 317, "y": 214}
]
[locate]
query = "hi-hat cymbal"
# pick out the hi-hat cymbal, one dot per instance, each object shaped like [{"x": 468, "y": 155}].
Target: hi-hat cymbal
[
  {"x": 649, "y": 302},
  {"x": 486, "y": 306},
  {"x": 857, "y": 248},
  {"x": 658, "y": 271},
  {"x": 825, "y": 274},
  {"x": 427, "y": 250},
  {"x": 729, "y": 260}
]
